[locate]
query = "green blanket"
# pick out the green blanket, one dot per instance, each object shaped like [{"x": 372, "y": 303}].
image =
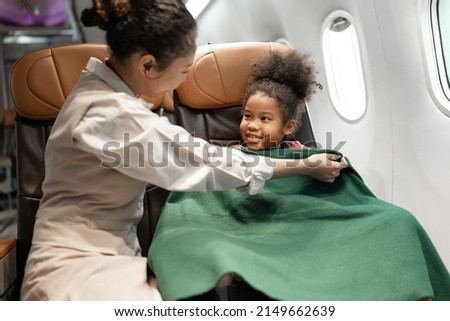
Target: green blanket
[{"x": 298, "y": 239}]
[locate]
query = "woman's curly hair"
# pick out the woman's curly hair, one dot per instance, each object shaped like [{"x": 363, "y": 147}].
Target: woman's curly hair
[{"x": 288, "y": 77}]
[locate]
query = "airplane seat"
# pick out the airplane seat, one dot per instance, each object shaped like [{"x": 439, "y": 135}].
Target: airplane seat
[
  {"x": 209, "y": 105},
  {"x": 40, "y": 82}
]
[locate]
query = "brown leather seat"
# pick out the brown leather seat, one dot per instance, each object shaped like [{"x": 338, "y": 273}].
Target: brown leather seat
[{"x": 207, "y": 104}]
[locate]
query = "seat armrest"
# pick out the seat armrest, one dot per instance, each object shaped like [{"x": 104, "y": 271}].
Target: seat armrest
[{"x": 7, "y": 267}]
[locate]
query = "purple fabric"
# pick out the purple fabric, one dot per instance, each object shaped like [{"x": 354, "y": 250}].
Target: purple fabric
[{"x": 26, "y": 13}]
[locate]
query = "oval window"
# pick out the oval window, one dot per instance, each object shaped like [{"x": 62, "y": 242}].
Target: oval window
[
  {"x": 440, "y": 23},
  {"x": 343, "y": 67}
]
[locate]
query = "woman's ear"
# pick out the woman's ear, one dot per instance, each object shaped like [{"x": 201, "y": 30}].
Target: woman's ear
[
  {"x": 147, "y": 65},
  {"x": 290, "y": 127}
]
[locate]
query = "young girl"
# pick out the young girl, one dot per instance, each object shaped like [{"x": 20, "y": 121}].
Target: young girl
[
  {"x": 278, "y": 89},
  {"x": 297, "y": 239},
  {"x": 105, "y": 147}
]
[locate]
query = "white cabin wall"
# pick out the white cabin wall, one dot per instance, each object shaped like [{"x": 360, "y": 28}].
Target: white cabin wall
[
  {"x": 422, "y": 131},
  {"x": 401, "y": 144}
]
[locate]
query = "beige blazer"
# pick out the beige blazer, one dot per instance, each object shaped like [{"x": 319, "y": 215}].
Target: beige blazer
[{"x": 85, "y": 245}]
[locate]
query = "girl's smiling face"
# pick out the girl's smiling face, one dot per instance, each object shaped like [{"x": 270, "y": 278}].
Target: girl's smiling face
[{"x": 262, "y": 124}]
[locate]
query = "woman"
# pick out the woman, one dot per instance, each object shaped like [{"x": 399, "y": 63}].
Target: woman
[{"x": 106, "y": 146}]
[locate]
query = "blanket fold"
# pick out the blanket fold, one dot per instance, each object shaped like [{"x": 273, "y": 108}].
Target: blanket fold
[{"x": 298, "y": 239}]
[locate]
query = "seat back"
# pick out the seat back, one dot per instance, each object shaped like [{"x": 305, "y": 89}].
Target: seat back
[{"x": 207, "y": 104}]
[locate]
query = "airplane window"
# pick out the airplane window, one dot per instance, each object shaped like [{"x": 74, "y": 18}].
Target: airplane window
[
  {"x": 441, "y": 30},
  {"x": 435, "y": 25},
  {"x": 343, "y": 67}
]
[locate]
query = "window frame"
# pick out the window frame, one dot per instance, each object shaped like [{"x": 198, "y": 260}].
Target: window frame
[{"x": 436, "y": 73}]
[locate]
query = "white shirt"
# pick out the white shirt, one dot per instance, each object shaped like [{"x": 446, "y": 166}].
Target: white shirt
[{"x": 145, "y": 146}]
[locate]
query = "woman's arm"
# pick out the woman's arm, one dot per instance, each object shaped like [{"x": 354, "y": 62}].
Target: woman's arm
[{"x": 323, "y": 167}]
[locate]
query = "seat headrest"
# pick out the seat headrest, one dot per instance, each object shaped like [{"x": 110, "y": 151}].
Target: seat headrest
[
  {"x": 219, "y": 74},
  {"x": 41, "y": 80}
]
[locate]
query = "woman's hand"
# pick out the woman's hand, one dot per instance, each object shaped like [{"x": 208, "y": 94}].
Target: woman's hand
[{"x": 325, "y": 167}]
